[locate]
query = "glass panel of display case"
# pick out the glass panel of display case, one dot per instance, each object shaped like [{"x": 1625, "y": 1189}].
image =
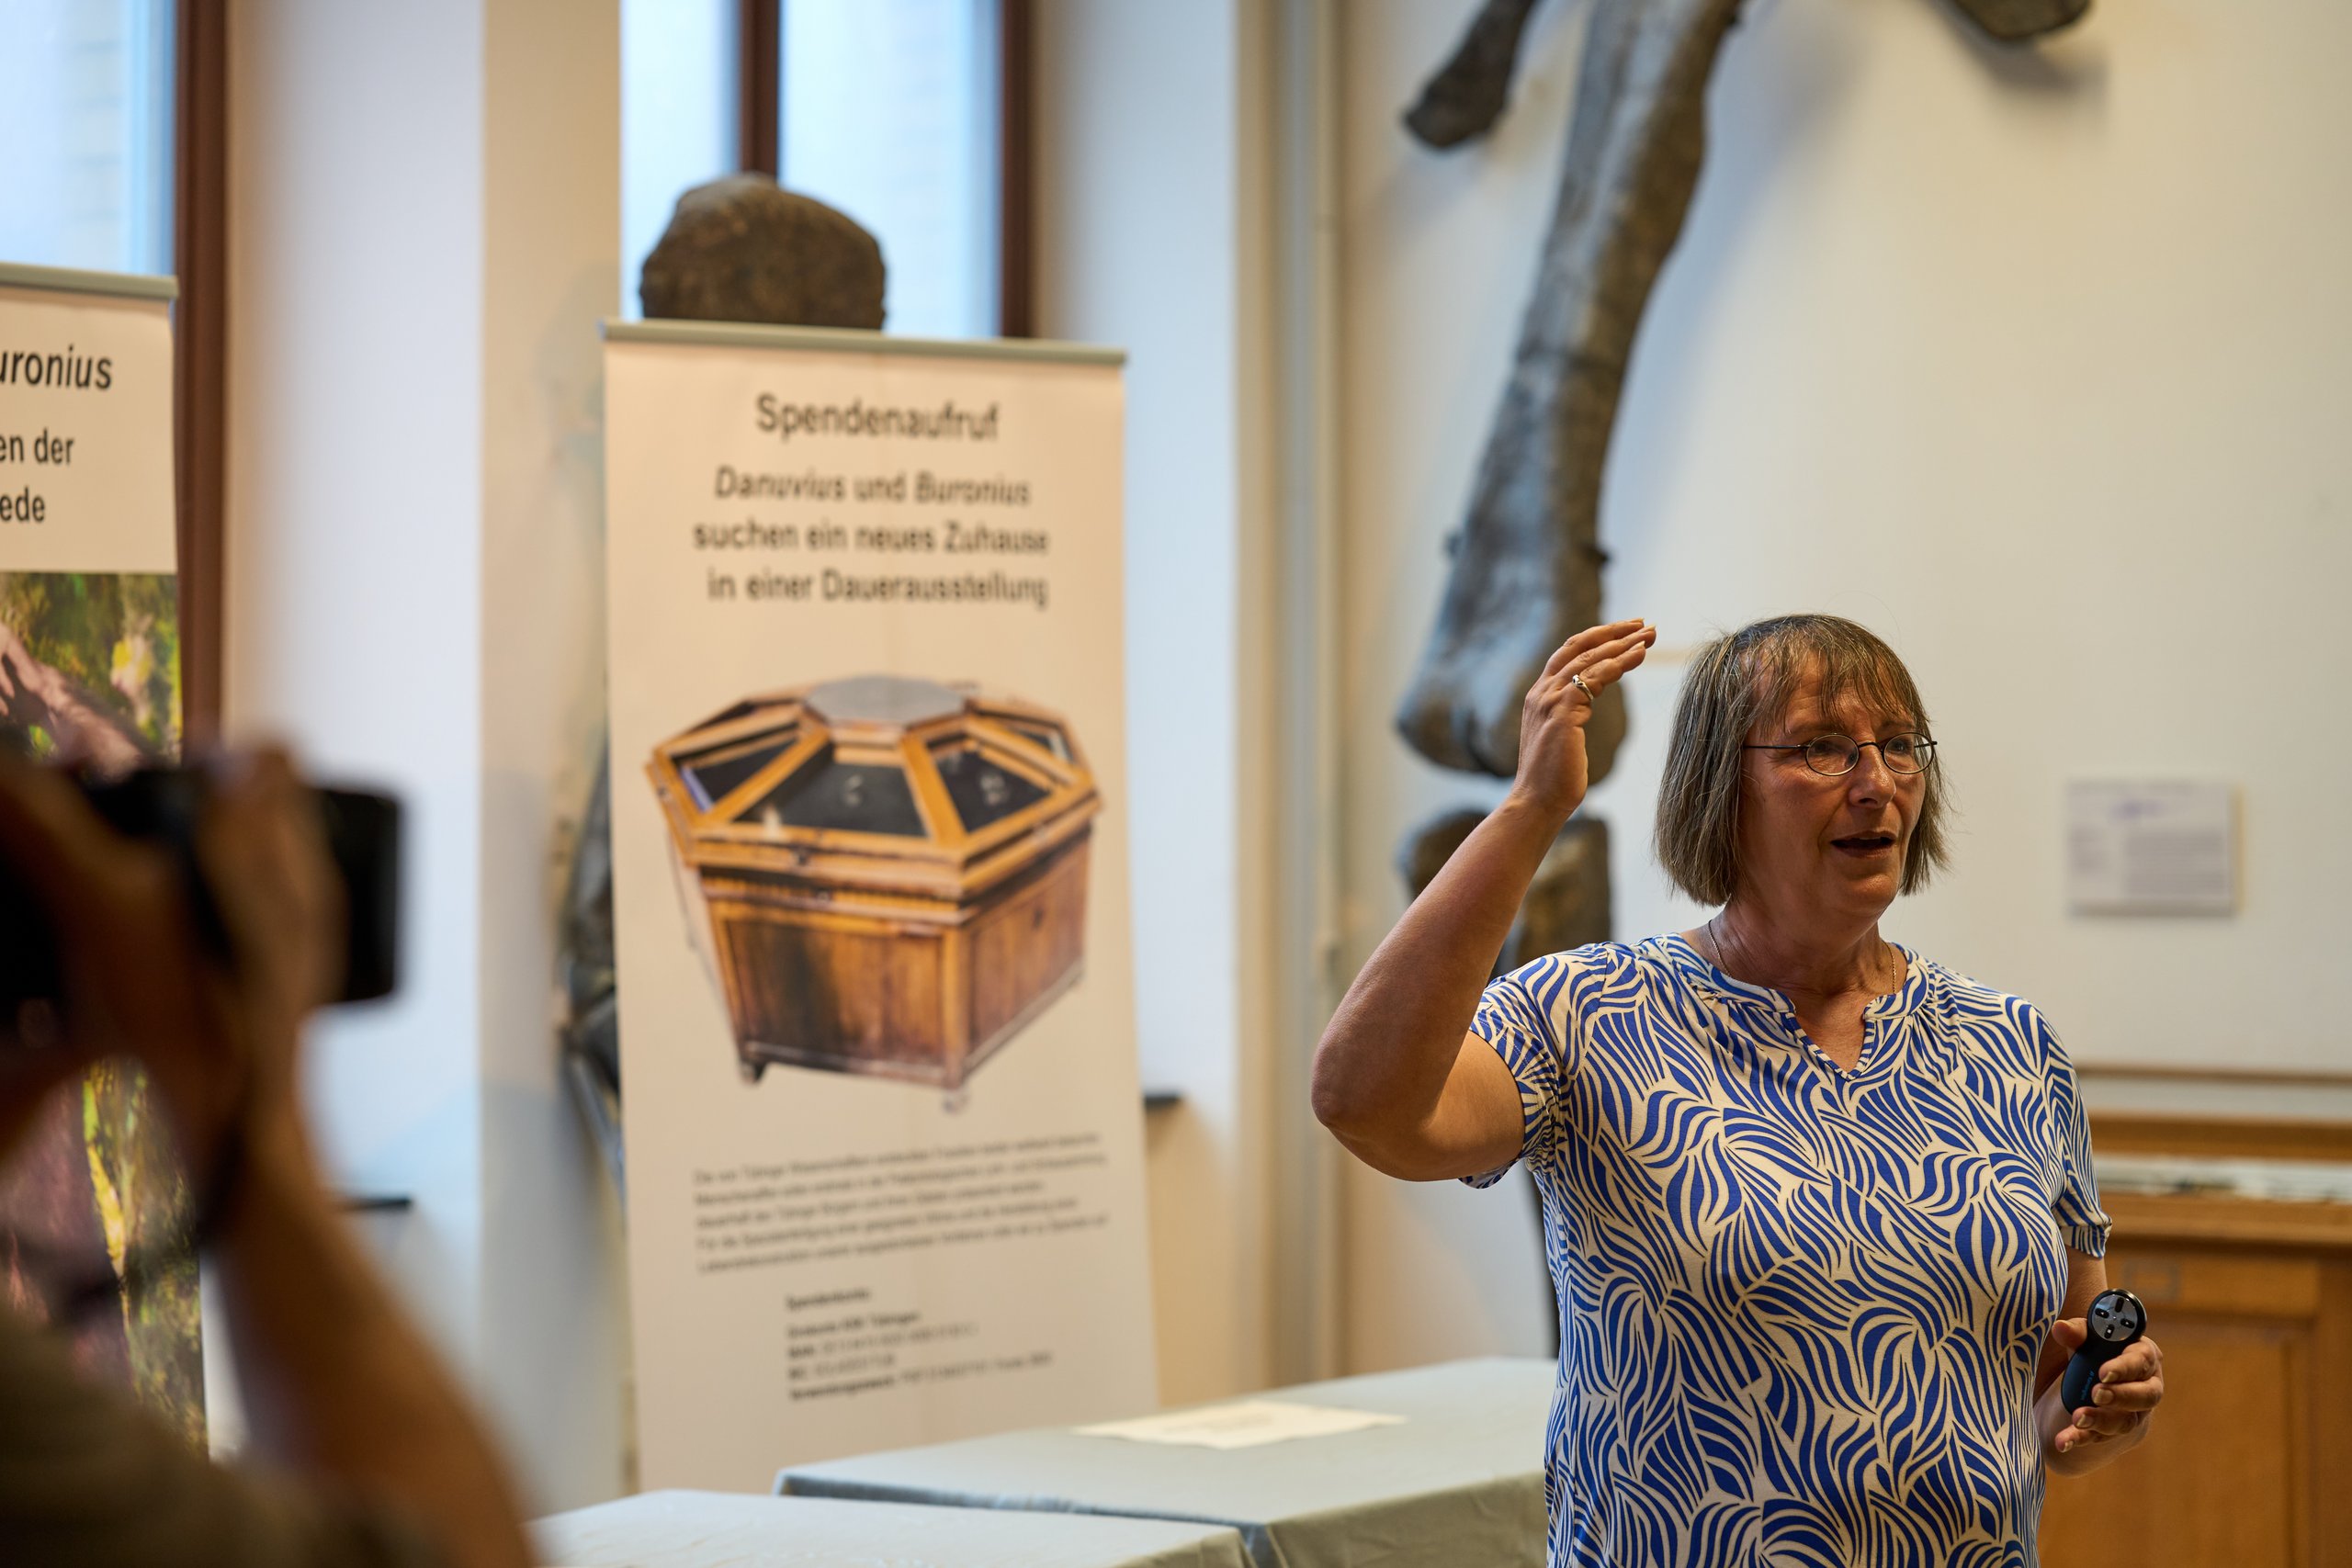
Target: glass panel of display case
[
  {"x": 714, "y": 773},
  {"x": 982, "y": 791},
  {"x": 860, "y": 797}
]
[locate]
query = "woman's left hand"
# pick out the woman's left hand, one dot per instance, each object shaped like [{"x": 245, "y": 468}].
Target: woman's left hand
[{"x": 2130, "y": 1387}]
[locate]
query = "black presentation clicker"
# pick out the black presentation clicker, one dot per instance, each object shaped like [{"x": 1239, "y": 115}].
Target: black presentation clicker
[{"x": 2117, "y": 1318}]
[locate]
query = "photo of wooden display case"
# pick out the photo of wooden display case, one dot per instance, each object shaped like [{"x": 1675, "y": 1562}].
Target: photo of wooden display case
[{"x": 888, "y": 876}]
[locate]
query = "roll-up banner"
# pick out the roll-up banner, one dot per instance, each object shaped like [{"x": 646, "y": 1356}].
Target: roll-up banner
[
  {"x": 90, "y": 669},
  {"x": 883, "y": 1132}
]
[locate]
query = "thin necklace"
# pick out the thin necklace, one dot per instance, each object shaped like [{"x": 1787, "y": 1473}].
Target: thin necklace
[{"x": 1716, "y": 941}]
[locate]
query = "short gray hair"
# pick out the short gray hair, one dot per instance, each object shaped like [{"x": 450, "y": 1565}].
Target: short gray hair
[{"x": 1749, "y": 678}]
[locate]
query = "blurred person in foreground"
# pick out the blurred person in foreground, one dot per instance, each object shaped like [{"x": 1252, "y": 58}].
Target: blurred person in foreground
[
  {"x": 1820, "y": 1211},
  {"x": 375, "y": 1457}
]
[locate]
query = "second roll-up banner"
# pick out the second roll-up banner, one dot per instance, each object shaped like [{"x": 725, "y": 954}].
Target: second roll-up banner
[{"x": 870, "y": 868}]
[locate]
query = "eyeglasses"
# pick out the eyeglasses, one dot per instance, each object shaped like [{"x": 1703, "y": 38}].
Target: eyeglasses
[{"x": 1833, "y": 756}]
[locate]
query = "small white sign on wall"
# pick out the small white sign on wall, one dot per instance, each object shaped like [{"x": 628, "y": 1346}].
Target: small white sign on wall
[{"x": 2151, "y": 847}]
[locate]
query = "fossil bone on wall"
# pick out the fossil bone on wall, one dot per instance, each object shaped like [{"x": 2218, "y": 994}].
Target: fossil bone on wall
[{"x": 1527, "y": 559}]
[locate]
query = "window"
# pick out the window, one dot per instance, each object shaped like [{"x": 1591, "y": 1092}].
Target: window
[
  {"x": 895, "y": 111},
  {"x": 87, "y": 106},
  {"x": 889, "y": 113},
  {"x": 678, "y": 116}
]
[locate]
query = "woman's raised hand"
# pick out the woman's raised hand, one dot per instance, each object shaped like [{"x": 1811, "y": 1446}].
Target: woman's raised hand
[{"x": 1552, "y": 768}]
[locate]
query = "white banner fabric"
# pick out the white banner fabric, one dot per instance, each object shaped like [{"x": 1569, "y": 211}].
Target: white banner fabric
[
  {"x": 90, "y": 667},
  {"x": 85, "y": 432},
  {"x": 883, "y": 1128}
]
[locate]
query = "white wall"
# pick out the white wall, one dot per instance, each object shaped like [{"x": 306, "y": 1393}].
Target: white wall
[
  {"x": 354, "y": 517},
  {"x": 423, "y": 200},
  {"x": 2033, "y": 362},
  {"x": 553, "y": 1299},
  {"x": 1139, "y": 244}
]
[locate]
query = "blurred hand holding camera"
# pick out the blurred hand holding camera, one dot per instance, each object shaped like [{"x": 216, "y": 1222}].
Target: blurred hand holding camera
[
  {"x": 197, "y": 942},
  {"x": 140, "y": 978}
]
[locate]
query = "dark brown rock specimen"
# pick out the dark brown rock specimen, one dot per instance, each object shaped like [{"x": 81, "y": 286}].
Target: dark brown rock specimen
[
  {"x": 743, "y": 249},
  {"x": 2014, "y": 21}
]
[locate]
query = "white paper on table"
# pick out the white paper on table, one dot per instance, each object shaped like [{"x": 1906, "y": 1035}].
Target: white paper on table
[{"x": 1246, "y": 1425}]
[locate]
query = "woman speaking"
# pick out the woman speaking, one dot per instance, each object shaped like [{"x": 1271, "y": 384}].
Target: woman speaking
[{"x": 1819, "y": 1211}]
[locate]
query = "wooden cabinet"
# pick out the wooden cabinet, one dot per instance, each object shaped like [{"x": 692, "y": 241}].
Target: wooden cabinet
[
  {"x": 2249, "y": 1462},
  {"x": 886, "y": 876}
]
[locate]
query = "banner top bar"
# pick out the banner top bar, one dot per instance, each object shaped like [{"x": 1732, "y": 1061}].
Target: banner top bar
[
  {"x": 848, "y": 340},
  {"x": 72, "y": 280}
]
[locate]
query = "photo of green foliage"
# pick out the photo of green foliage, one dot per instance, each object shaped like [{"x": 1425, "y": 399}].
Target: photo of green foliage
[
  {"x": 90, "y": 671},
  {"x": 105, "y": 642}
]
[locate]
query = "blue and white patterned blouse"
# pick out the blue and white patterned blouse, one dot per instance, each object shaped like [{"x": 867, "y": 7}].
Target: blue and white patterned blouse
[{"x": 1800, "y": 1307}]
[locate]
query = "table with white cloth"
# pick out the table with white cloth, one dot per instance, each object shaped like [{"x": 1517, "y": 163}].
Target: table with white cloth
[
  {"x": 1458, "y": 1480},
  {"x": 731, "y": 1529}
]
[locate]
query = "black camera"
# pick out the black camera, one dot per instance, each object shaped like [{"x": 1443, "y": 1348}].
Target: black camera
[{"x": 363, "y": 834}]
